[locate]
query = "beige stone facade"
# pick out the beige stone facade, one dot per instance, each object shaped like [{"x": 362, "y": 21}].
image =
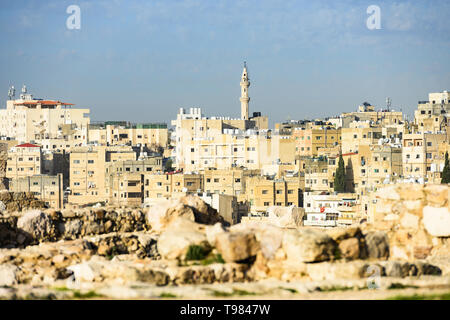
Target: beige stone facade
[
  {"x": 46, "y": 188},
  {"x": 24, "y": 160}
]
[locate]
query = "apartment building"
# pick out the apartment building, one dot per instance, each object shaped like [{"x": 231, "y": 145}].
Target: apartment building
[
  {"x": 166, "y": 185},
  {"x": 87, "y": 171},
  {"x": 331, "y": 210},
  {"x": 422, "y": 158},
  {"x": 433, "y": 115},
  {"x": 227, "y": 181},
  {"x": 309, "y": 141},
  {"x": 124, "y": 179},
  {"x": 367, "y": 112},
  {"x": 124, "y": 133},
  {"x": 263, "y": 192},
  {"x": 47, "y": 188},
  {"x": 31, "y": 120},
  {"x": 24, "y": 160}
]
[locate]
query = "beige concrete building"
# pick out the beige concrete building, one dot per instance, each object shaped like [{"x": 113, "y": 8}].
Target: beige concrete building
[
  {"x": 124, "y": 179},
  {"x": 123, "y": 133},
  {"x": 227, "y": 181},
  {"x": 46, "y": 188},
  {"x": 433, "y": 115},
  {"x": 166, "y": 185},
  {"x": 421, "y": 156},
  {"x": 32, "y": 120},
  {"x": 262, "y": 192},
  {"x": 309, "y": 141},
  {"x": 87, "y": 171},
  {"x": 24, "y": 160}
]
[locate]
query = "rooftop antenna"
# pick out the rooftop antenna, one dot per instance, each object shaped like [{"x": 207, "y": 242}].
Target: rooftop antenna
[
  {"x": 11, "y": 92},
  {"x": 388, "y": 103},
  {"x": 24, "y": 92}
]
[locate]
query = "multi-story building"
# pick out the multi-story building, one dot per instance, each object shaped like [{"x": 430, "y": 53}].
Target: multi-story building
[
  {"x": 262, "y": 192},
  {"x": 421, "y": 156},
  {"x": 309, "y": 141},
  {"x": 24, "y": 160},
  {"x": 47, "y": 188},
  {"x": 227, "y": 181},
  {"x": 87, "y": 171},
  {"x": 166, "y": 185},
  {"x": 192, "y": 127},
  {"x": 124, "y": 179},
  {"x": 433, "y": 115},
  {"x": 124, "y": 133},
  {"x": 32, "y": 120}
]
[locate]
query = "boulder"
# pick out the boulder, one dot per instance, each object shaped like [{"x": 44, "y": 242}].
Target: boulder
[
  {"x": 285, "y": 217},
  {"x": 308, "y": 245},
  {"x": 160, "y": 214},
  {"x": 190, "y": 207},
  {"x": 377, "y": 245},
  {"x": 237, "y": 246},
  {"x": 437, "y": 221},
  {"x": 37, "y": 224},
  {"x": 349, "y": 248},
  {"x": 175, "y": 241},
  {"x": 8, "y": 274},
  {"x": 337, "y": 270}
]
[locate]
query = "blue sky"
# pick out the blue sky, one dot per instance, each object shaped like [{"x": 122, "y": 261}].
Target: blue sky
[{"x": 141, "y": 60}]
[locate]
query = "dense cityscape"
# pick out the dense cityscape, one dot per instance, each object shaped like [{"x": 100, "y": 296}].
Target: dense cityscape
[{"x": 237, "y": 164}]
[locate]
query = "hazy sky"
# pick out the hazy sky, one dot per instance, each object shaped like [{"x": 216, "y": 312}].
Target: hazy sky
[{"x": 141, "y": 60}]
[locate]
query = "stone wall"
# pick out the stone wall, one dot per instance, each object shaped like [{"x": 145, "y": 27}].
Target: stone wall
[{"x": 416, "y": 218}]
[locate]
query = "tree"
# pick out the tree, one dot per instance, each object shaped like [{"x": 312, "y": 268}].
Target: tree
[
  {"x": 168, "y": 165},
  {"x": 445, "y": 177},
  {"x": 339, "y": 178}
]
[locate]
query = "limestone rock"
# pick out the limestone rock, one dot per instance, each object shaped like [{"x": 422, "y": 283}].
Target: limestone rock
[
  {"x": 349, "y": 248},
  {"x": 8, "y": 274},
  {"x": 336, "y": 270},
  {"x": 175, "y": 241},
  {"x": 237, "y": 246},
  {"x": 377, "y": 244},
  {"x": 308, "y": 245},
  {"x": 437, "y": 221},
  {"x": 286, "y": 217},
  {"x": 37, "y": 224}
]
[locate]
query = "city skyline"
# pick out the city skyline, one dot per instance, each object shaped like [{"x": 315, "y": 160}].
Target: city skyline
[{"x": 182, "y": 57}]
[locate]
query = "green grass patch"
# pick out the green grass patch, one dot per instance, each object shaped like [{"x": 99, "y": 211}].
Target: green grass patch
[
  {"x": 235, "y": 292},
  {"x": 291, "y": 290},
  {"x": 167, "y": 295},
  {"x": 397, "y": 285},
  {"x": 196, "y": 252},
  {"x": 442, "y": 296},
  {"x": 216, "y": 258},
  {"x": 334, "y": 288},
  {"x": 88, "y": 295}
]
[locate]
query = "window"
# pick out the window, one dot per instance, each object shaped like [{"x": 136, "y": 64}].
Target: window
[
  {"x": 429, "y": 156},
  {"x": 290, "y": 191},
  {"x": 76, "y": 161},
  {"x": 90, "y": 161},
  {"x": 264, "y": 191},
  {"x": 148, "y": 168},
  {"x": 30, "y": 159},
  {"x": 429, "y": 144},
  {"x": 266, "y": 204},
  {"x": 279, "y": 191}
]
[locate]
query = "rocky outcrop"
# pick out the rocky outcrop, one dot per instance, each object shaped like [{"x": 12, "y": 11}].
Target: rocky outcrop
[
  {"x": 18, "y": 201},
  {"x": 190, "y": 207},
  {"x": 285, "y": 217},
  {"x": 415, "y": 217}
]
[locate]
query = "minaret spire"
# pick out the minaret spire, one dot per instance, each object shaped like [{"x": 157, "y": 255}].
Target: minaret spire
[{"x": 245, "y": 99}]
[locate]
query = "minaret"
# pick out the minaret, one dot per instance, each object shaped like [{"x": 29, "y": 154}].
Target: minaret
[{"x": 244, "y": 93}]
